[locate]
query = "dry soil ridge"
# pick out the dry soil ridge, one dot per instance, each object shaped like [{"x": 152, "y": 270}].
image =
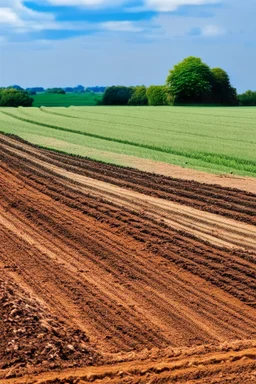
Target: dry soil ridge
[{"x": 134, "y": 290}]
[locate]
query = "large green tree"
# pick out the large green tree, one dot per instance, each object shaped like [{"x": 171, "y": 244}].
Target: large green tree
[
  {"x": 222, "y": 91},
  {"x": 190, "y": 81}
]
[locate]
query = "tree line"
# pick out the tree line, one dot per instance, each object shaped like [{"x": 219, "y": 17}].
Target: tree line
[{"x": 190, "y": 82}]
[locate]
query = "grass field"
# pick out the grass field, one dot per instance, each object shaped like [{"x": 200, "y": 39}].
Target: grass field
[
  {"x": 55, "y": 100},
  {"x": 210, "y": 139}
]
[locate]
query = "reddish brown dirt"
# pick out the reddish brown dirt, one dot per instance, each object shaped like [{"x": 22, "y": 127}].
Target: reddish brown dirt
[{"x": 149, "y": 279}]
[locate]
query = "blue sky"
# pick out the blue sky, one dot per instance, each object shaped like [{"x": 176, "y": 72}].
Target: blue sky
[{"x": 105, "y": 42}]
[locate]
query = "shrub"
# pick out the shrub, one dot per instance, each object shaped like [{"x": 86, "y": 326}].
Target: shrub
[
  {"x": 157, "y": 95},
  {"x": 10, "y": 97},
  {"x": 117, "y": 95},
  {"x": 247, "y": 98},
  {"x": 139, "y": 96}
]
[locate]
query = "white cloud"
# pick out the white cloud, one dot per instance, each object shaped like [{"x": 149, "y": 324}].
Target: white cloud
[
  {"x": 212, "y": 31},
  {"x": 172, "y": 5},
  {"x": 169, "y": 5},
  {"x": 7, "y": 16},
  {"x": 121, "y": 26},
  {"x": 168, "y": 27},
  {"x": 19, "y": 18}
]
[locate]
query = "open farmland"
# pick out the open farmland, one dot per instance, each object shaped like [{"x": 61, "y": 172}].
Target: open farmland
[
  {"x": 209, "y": 139},
  {"x": 58, "y": 100},
  {"x": 113, "y": 275}
]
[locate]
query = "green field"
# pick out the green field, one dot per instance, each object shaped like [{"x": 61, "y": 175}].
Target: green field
[
  {"x": 219, "y": 140},
  {"x": 55, "y": 100}
]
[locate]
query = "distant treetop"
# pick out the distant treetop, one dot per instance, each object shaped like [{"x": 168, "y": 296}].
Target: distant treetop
[{"x": 58, "y": 91}]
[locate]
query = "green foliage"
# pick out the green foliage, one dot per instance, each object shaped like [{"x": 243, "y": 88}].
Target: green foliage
[
  {"x": 11, "y": 97},
  {"x": 117, "y": 95},
  {"x": 222, "y": 91},
  {"x": 247, "y": 98},
  {"x": 139, "y": 96},
  {"x": 190, "y": 81},
  {"x": 35, "y": 89},
  {"x": 17, "y": 87},
  {"x": 157, "y": 95},
  {"x": 58, "y": 91}
]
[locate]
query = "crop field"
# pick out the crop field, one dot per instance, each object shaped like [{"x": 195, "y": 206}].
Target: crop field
[
  {"x": 219, "y": 140},
  {"x": 55, "y": 100},
  {"x": 113, "y": 275}
]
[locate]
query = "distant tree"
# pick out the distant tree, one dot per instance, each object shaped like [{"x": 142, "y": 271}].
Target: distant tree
[
  {"x": 190, "y": 81},
  {"x": 11, "y": 97},
  {"x": 222, "y": 91},
  {"x": 157, "y": 95},
  {"x": 79, "y": 89},
  {"x": 139, "y": 96},
  {"x": 96, "y": 89},
  {"x": 59, "y": 91},
  {"x": 36, "y": 89},
  {"x": 18, "y": 87},
  {"x": 117, "y": 95},
  {"x": 68, "y": 89},
  {"x": 247, "y": 98}
]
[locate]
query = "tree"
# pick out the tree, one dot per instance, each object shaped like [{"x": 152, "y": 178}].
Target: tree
[
  {"x": 222, "y": 91},
  {"x": 18, "y": 87},
  {"x": 11, "y": 97},
  {"x": 117, "y": 95},
  {"x": 247, "y": 98},
  {"x": 190, "y": 81},
  {"x": 79, "y": 89},
  {"x": 68, "y": 89},
  {"x": 97, "y": 89},
  {"x": 36, "y": 89},
  {"x": 157, "y": 95},
  {"x": 58, "y": 91},
  {"x": 139, "y": 96}
]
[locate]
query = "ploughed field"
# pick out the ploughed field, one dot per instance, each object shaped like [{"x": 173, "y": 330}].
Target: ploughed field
[
  {"x": 113, "y": 275},
  {"x": 219, "y": 140}
]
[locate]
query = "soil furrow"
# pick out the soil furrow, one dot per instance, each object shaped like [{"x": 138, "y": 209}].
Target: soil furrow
[{"x": 121, "y": 274}]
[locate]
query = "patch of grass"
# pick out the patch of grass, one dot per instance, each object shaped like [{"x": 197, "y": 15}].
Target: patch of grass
[
  {"x": 216, "y": 140},
  {"x": 56, "y": 100}
]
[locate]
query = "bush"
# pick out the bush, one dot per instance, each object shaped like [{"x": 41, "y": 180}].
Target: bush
[
  {"x": 10, "y": 97},
  {"x": 139, "y": 96},
  {"x": 247, "y": 98},
  {"x": 58, "y": 91},
  {"x": 157, "y": 95},
  {"x": 117, "y": 95}
]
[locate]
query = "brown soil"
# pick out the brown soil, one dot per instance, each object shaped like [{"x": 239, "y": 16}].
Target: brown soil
[{"x": 112, "y": 275}]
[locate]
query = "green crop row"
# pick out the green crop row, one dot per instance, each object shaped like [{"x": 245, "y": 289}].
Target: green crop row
[{"x": 213, "y": 139}]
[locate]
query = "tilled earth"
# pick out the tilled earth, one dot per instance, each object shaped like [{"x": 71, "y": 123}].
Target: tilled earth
[{"x": 112, "y": 275}]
